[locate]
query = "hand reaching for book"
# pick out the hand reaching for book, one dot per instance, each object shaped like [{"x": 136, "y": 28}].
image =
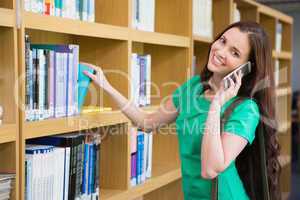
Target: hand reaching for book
[{"x": 99, "y": 77}]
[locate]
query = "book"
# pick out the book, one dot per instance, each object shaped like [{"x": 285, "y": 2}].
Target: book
[{"x": 83, "y": 84}]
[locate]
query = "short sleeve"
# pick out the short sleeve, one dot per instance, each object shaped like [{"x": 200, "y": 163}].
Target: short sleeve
[
  {"x": 182, "y": 91},
  {"x": 244, "y": 120}
]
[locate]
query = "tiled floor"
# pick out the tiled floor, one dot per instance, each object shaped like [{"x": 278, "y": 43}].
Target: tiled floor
[{"x": 295, "y": 195}]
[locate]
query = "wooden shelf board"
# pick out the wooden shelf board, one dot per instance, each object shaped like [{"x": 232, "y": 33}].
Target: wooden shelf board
[
  {"x": 7, "y": 17},
  {"x": 282, "y": 55},
  {"x": 8, "y": 133},
  {"x": 282, "y": 91},
  {"x": 75, "y": 27},
  {"x": 162, "y": 175},
  {"x": 284, "y": 160},
  {"x": 275, "y": 14},
  {"x": 69, "y": 124},
  {"x": 159, "y": 38},
  {"x": 202, "y": 39}
]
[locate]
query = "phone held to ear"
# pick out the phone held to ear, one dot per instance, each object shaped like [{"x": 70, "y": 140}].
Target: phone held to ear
[{"x": 244, "y": 68}]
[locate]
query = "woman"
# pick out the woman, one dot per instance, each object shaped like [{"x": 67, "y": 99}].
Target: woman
[{"x": 196, "y": 107}]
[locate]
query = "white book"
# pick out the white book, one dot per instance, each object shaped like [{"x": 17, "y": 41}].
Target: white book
[
  {"x": 236, "y": 13},
  {"x": 27, "y": 5},
  {"x": 59, "y": 84},
  {"x": 28, "y": 178},
  {"x": 148, "y": 79},
  {"x": 66, "y": 172},
  {"x": 41, "y": 83},
  {"x": 91, "y": 11},
  {"x": 134, "y": 14},
  {"x": 147, "y": 15},
  {"x": 143, "y": 176},
  {"x": 150, "y": 17},
  {"x": 278, "y": 37},
  {"x": 70, "y": 103},
  {"x": 209, "y": 20},
  {"x": 84, "y": 10},
  {"x": 149, "y": 156},
  {"x": 135, "y": 79}
]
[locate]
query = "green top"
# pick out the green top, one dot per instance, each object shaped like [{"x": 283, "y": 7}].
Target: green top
[{"x": 190, "y": 125}]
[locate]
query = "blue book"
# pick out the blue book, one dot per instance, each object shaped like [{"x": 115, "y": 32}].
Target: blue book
[
  {"x": 83, "y": 84},
  {"x": 140, "y": 156}
]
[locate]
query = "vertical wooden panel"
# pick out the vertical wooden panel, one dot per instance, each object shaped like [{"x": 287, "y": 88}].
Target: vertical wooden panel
[
  {"x": 173, "y": 16},
  {"x": 8, "y": 74},
  {"x": 114, "y": 157},
  {"x": 114, "y": 12},
  {"x": 222, "y": 10},
  {"x": 269, "y": 25},
  {"x": 287, "y": 35}
]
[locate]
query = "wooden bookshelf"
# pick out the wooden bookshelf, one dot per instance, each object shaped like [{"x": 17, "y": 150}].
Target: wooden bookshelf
[
  {"x": 109, "y": 43},
  {"x": 9, "y": 129}
]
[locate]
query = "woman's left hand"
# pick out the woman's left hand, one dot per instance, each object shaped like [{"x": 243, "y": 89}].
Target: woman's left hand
[{"x": 222, "y": 96}]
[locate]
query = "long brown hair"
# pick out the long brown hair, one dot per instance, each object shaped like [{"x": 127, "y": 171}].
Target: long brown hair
[{"x": 259, "y": 86}]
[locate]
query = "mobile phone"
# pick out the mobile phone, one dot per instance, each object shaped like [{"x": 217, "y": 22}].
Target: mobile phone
[{"x": 244, "y": 68}]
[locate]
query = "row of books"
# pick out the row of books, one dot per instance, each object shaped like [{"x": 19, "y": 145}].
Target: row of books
[
  {"x": 51, "y": 78},
  {"x": 55, "y": 85},
  {"x": 72, "y": 9},
  {"x": 62, "y": 167},
  {"x": 141, "y": 79},
  {"x": 202, "y": 18},
  {"x": 7, "y": 184},
  {"x": 143, "y": 15},
  {"x": 141, "y": 156}
]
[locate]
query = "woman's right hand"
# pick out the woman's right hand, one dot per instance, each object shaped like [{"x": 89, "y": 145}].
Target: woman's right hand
[{"x": 99, "y": 77}]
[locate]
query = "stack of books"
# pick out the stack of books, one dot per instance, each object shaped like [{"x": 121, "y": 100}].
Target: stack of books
[
  {"x": 202, "y": 18},
  {"x": 143, "y": 15},
  {"x": 72, "y": 9},
  {"x": 7, "y": 183},
  {"x": 141, "y": 79},
  {"x": 63, "y": 167},
  {"x": 141, "y": 156}
]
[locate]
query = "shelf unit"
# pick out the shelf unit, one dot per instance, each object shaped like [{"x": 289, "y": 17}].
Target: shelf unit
[
  {"x": 9, "y": 130},
  {"x": 109, "y": 43}
]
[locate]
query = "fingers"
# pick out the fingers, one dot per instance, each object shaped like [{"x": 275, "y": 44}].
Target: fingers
[
  {"x": 92, "y": 76},
  {"x": 90, "y": 65}
]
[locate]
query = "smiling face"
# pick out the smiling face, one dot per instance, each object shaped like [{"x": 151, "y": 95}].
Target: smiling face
[{"x": 228, "y": 52}]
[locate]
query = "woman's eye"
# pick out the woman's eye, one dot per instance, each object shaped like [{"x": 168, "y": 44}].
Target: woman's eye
[
  {"x": 222, "y": 40},
  {"x": 235, "y": 54}
]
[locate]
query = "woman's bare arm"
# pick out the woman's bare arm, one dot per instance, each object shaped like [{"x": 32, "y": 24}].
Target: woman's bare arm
[{"x": 165, "y": 114}]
